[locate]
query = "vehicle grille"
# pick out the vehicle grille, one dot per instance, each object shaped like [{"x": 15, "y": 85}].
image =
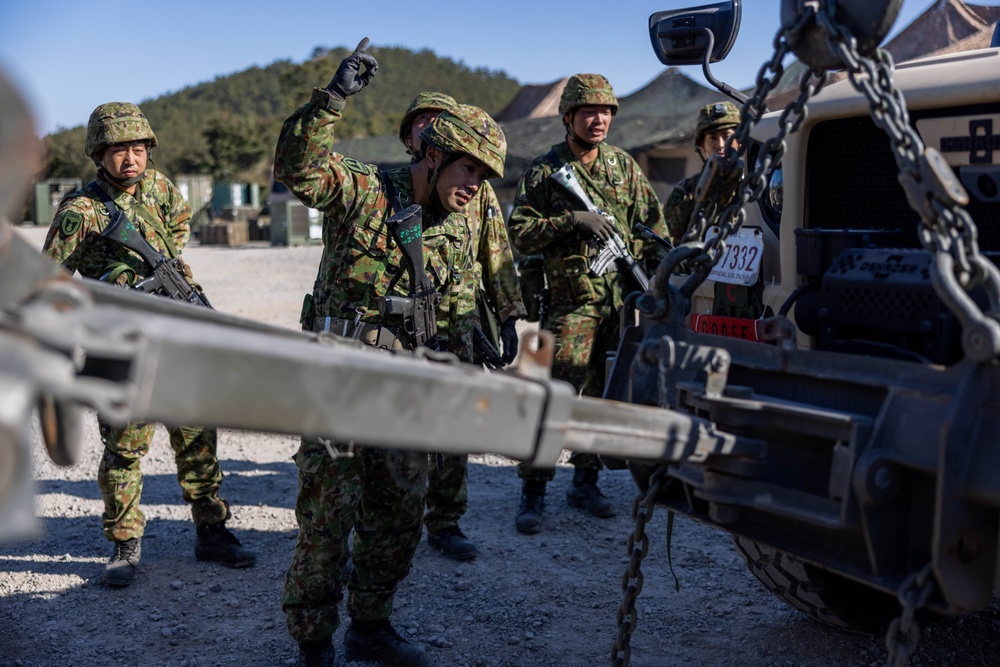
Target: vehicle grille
[{"x": 851, "y": 184}]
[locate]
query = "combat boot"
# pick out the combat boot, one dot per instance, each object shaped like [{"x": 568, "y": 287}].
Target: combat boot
[
  {"x": 529, "y": 514},
  {"x": 318, "y": 653},
  {"x": 453, "y": 543},
  {"x": 124, "y": 563},
  {"x": 583, "y": 493},
  {"x": 377, "y": 640},
  {"x": 216, "y": 543}
]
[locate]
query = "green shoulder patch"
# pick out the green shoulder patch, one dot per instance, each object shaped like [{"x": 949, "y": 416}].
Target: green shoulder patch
[
  {"x": 71, "y": 223},
  {"x": 359, "y": 167}
]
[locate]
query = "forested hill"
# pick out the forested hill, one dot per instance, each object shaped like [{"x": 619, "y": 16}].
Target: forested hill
[{"x": 228, "y": 127}]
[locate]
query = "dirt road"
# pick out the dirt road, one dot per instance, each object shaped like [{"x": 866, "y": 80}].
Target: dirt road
[{"x": 548, "y": 600}]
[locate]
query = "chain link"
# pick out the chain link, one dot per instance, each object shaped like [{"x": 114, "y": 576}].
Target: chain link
[
  {"x": 931, "y": 188},
  {"x": 715, "y": 202},
  {"x": 903, "y": 634},
  {"x": 638, "y": 547}
]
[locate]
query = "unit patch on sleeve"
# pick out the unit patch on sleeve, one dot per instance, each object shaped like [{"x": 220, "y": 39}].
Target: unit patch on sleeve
[{"x": 71, "y": 223}]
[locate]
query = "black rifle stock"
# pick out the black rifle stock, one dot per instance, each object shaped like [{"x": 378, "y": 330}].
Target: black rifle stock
[
  {"x": 416, "y": 312},
  {"x": 167, "y": 278},
  {"x": 488, "y": 354}
]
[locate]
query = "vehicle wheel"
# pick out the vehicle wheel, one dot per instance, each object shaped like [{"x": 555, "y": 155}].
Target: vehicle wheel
[{"x": 824, "y": 595}]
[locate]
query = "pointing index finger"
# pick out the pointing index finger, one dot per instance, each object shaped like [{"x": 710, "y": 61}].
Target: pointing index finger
[{"x": 362, "y": 45}]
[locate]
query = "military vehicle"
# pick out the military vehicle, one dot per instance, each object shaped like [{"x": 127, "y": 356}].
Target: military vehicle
[
  {"x": 848, "y": 449},
  {"x": 860, "y": 488}
]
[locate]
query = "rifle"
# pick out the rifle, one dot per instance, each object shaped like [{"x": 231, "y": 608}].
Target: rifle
[
  {"x": 488, "y": 354},
  {"x": 613, "y": 250},
  {"x": 417, "y": 311},
  {"x": 167, "y": 278}
]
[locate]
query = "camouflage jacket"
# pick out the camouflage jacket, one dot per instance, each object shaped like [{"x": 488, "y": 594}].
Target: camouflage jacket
[
  {"x": 680, "y": 203},
  {"x": 541, "y": 221},
  {"x": 361, "y": 262},
  {"x": 157, "y": 208}
]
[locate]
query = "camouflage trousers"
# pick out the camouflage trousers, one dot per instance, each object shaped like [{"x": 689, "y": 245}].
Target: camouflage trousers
[
  {"x": 379, "y": 493},
  {"x": 583, "y": 339},
  {"x": 447, "y": 491},
  {"x": 120, "y": 478}
]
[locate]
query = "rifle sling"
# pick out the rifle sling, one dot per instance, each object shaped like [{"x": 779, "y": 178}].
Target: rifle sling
[
  {"x": 395, "y": 206},
  {"x": 113, "y": 210}
]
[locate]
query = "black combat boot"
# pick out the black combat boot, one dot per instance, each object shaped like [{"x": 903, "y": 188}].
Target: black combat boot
[
  {"x": 377, "y": 640},
  {"x": 453, "y": 543},
  {"x": 318, "y": 653},
  {"x": 216, "y": 543},
  {"x": 124, "y": 563},
  {"x": 583, "y": 493},
  {"x": 529, "y": 514}
]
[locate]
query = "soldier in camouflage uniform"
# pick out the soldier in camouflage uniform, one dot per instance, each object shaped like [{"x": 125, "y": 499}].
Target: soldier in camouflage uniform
[
  {"x": 716, "y": 123},
  {"x": 582, "y": 309},
  {"x": 119, "y": 140},
  {"x": 447, "y": 486},
  {"x": 379, "y": 493}
]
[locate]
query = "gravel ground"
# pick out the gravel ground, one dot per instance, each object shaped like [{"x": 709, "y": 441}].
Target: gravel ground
[{"x": 545, "y": 600}]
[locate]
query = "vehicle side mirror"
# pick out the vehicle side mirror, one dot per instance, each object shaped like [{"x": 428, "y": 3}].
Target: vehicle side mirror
[{"x": 683, "y": 36}]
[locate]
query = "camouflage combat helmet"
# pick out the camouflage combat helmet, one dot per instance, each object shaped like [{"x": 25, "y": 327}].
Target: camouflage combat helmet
[
  {"x": 424, "y": 102},
  {"x": 584, "y": 89},
  {"x": 116, "y": 123},
  {"x": 469, "y": 130},
  {"x": 712, "y": 117}
]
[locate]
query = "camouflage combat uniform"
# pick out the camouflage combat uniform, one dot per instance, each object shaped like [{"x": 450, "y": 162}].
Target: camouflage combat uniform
[
  {"x": 582, "y": 309},
  {"x": 679, "y": 206},
  {"x": 447, "y": 488},
  {"x": 379, "y": 493},
  {"x": 164, "y": 218}
]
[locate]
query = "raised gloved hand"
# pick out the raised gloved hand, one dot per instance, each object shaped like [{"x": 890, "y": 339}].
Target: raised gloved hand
[
  {"x": 349, "y": 79},
  {"x": 508, "y": 336},
  {"x": 594, "y": 223}
]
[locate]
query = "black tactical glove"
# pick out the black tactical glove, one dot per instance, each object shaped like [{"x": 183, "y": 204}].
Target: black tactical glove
[
  {"x": 593, "y": 223},
  {"x": 349, "y": 79},
  {"x": 508, "y": 336}
]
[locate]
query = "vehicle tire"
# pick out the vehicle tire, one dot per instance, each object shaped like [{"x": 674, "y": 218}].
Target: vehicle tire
[{"x": 831, "y": 598}]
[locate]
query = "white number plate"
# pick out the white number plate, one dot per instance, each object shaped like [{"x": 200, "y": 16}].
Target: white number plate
[{"x": 740, "y": 265}]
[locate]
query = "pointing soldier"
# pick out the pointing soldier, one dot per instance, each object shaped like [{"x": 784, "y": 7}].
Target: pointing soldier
[
  {"x": 447, "y": 485},
  {"x": 119, "y": 141},
  {"x": 582, "y": 308},
  {"x": 378, "y": 492}
]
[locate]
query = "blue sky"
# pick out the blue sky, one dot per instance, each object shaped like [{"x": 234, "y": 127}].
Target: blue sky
[{"x": 70, "y": 56}]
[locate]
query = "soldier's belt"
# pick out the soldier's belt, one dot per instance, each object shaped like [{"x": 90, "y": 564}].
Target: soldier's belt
[{"x": 375, "y": 335}]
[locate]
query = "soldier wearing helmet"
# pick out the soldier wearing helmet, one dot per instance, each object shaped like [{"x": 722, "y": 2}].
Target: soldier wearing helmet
[
  {"x": 716, "y": 124},
  {"x": 379, "y": 492},
  {"x": 581, "y": 308},
  {"x": 119, "y": 141},
  {"x": 447, "y": 485},
  {"x": 424, "y": 109}
]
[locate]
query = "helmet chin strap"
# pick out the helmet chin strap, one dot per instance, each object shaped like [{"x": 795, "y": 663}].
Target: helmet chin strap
[
  {"x": 121, "y": 182},
  {"x": 437, "y": 206},
  {"x": 585, "y": 145}
]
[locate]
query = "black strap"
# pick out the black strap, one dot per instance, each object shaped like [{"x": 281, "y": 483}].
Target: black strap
[
  {"x": 114, "y": 211},
  {"x": 395, "y": 203}
]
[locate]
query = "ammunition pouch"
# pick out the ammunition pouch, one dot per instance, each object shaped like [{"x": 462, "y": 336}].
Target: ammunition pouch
[
  {"x": 569, "y": 281},
  {"x": 531, "y": 273}
]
